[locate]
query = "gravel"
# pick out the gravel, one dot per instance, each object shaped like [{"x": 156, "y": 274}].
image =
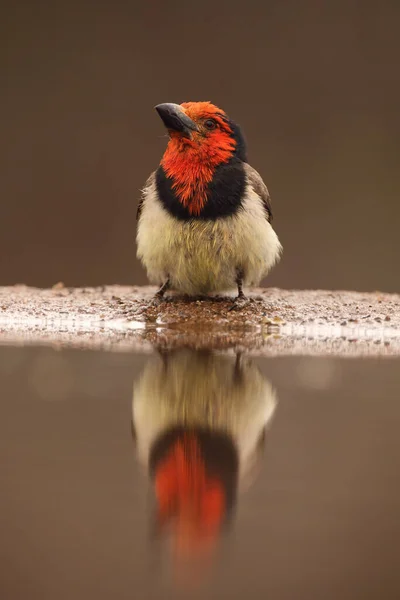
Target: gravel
[{"x": 274, "y": 322}]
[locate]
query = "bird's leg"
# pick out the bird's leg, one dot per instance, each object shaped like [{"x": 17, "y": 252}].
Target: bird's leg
[
  {"x": 158, "y": 297},
  {"x": 163, "y": 289},
  {"x": 238, "y": 369},
  {"x": 163, "y": 354},
  {"x": 239, "y": 283},
  {"x": 240, "y": 300}
]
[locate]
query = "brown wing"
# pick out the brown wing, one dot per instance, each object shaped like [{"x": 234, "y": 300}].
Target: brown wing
[
  {"x": 255, "y": 181},
  {"x": 145, "y": 189}
]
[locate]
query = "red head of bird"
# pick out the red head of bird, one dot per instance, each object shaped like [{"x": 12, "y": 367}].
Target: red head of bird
[{"x": 202, "y": 138}]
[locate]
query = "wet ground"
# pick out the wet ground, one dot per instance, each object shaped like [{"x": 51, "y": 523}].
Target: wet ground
[
  {"x": 274, "y": 322},
  {"x": 172, "y": 471}
]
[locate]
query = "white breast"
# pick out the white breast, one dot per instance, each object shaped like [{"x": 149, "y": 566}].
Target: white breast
[
  {"x": 200, "y": 257},
  {"x": 196, "y": 390}
]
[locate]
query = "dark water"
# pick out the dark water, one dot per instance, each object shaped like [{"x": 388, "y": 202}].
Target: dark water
[{"x": 229, "y": 479}]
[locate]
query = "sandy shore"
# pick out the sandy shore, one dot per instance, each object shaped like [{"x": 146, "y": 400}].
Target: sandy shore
[{"x": 275, "y": 322}]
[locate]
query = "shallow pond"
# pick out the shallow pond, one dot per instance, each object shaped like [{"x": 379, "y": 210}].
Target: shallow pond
[{"x": 198, "y": 474}]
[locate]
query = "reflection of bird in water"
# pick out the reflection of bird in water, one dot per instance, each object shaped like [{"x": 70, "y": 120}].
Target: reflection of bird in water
[{"x": 199, "y": 420}]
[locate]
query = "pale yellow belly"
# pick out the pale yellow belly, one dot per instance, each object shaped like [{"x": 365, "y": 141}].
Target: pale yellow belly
[{"x": 201, "y": 257}]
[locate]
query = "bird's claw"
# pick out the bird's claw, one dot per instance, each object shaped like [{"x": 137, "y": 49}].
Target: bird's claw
[
  {"x": 157, "y": 300},
  {"x": 239, "y": 303}
]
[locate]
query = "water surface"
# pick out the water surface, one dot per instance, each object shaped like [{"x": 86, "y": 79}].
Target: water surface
[{"x": 223, "y": 478}]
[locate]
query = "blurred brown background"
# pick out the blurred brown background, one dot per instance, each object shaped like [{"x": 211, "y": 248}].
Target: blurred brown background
[{"x": 315, "y": 86}]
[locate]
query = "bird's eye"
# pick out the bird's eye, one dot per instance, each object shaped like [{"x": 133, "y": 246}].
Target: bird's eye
[{"x": 210, "y": 124}]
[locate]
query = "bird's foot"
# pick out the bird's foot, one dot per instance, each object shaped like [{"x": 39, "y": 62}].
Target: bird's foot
[
  {"x": 157, "y": 300},
  {"x": 239, "y": 303}
]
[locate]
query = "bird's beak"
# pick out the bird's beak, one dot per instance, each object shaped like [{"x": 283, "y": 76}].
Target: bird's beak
[{"x": 175, "y": 119}]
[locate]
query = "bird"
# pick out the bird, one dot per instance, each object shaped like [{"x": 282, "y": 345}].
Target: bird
[
  {"x": 204, "y": 216},
  {"x": 199, "y": 424}
]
